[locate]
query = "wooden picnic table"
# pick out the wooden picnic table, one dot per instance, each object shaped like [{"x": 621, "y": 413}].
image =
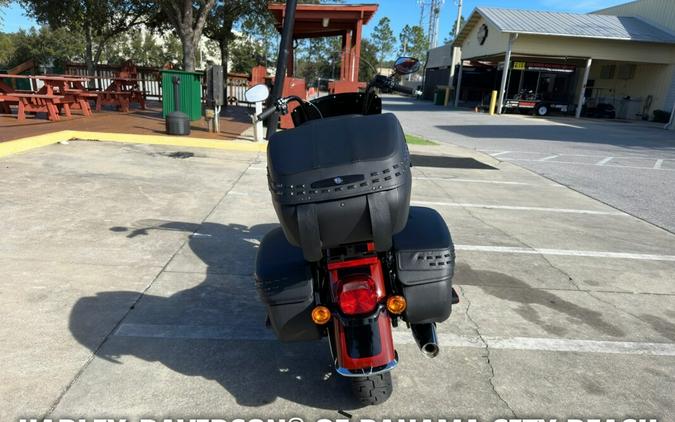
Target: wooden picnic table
[
  {"x": 57, "y": 94},
  {"x": 121, "y": 92}
]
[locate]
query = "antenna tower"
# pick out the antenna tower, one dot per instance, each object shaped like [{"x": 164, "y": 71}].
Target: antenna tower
[{"x": 430, "y": 11}]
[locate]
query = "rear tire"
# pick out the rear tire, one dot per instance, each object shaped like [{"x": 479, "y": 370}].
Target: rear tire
[{"x": 372, "y": 390}]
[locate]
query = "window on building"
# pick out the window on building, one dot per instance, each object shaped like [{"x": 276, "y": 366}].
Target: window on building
[
  {"x": 607, "y": 71},
  {"x": 626, "y": 71}
]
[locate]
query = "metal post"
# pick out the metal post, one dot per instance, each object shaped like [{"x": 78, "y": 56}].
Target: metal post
[
  {"x": 285, "y": 44},
  {"x": 582, "y": 89},
  {"x": 176, "y": 93},
  {"x": 456, "y": 52},
  {"x": 671, "y": 124},
  {"x": 505, "y": 73},
  {"x": 459, "y": 82},
  {"x": 258, "y": 126}
]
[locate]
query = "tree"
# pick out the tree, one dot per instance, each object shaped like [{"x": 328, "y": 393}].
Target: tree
[
  {"x": 245, "y": 54},
  {"x": 46, "y": 46},
  {"x": 7, "y": 47},
  {"x": 222, "y": 19},
  {"x": 3, "y": 3},
  {"x": 219, "y": 25},
  {"x": 451, "y": 35},
  {"x": 369, "y": 52},
  {"x": 187, "y": 18},
  {"x": 383, "y": 39},
  {"x": 98, "y": 21},
  {"x": 413, "y": 42}
]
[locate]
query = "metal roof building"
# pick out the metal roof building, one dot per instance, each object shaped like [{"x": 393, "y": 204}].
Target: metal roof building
[{"x": 623, "y": 55}]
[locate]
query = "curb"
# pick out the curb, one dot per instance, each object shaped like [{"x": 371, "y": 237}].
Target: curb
[{"x": 25, "y": 144}]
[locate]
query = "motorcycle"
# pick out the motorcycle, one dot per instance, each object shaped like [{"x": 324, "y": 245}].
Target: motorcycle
[{"x": 352, "y": 258}]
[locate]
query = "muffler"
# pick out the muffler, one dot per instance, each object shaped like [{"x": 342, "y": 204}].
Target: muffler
[{"x": 425, "y": 337}]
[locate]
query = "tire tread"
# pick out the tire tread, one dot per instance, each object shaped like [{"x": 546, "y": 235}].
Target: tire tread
[{"x": 372, "y": 390}]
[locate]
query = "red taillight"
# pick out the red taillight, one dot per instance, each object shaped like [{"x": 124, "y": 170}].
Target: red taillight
[{"x": 357, "y": 296}]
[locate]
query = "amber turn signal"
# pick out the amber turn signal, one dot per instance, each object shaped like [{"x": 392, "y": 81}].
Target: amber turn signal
[
  {"x": 396, "y": 304},
  {"x": 320, "y": 315}
]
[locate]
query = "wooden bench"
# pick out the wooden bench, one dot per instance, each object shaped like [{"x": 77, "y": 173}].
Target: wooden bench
[
  {"x": 121, "y": 99},
  {"x": 37, "y": 103},
  {"x": 4, "y": 105},
  {"x": 80, "y": 98}
]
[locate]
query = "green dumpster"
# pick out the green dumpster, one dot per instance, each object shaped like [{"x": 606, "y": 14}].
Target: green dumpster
[
  {"x": 190, "y": 93},
  {"x": 18, "y": 84}
]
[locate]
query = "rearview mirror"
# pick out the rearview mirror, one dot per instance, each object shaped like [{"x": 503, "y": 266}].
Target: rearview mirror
[
  {"x": 257, "y": 93},
  {"x": 406, "y": 65}
]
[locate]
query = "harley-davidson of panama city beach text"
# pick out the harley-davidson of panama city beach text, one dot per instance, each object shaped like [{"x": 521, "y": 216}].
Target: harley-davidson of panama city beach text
[{"x": 352, "y": 258}]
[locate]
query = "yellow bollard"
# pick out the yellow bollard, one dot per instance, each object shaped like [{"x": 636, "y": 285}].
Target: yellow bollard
[{"x": 493, "y": 102}]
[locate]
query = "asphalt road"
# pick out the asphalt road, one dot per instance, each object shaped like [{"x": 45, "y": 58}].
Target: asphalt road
[{"x": 628, "y": 165}]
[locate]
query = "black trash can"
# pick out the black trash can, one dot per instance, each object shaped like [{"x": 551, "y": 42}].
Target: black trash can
[{"x": 177, "y": 122}]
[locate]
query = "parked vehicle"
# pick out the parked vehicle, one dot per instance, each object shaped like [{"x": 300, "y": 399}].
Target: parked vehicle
[
  {"x": 527, "y": 102},
  {"x": 352, "y": 258}
]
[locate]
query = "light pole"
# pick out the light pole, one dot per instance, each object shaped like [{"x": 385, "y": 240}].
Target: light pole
[{"x": 455, "y": 52}]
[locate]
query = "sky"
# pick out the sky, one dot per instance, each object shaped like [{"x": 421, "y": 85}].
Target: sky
[{"x": 401, "y": 12}]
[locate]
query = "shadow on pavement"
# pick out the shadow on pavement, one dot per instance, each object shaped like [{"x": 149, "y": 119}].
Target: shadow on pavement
[
  {"x": 560, "y": 133},
  {"x": 528, "y": 300},
  {"x": 213, "y": 330}
]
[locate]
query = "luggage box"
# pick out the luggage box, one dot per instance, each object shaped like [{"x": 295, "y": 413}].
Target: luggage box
[
  {"x": 340, "y": 180},
  {"x": 425, "y": 262},
  {"x": 284, "y": 283}
]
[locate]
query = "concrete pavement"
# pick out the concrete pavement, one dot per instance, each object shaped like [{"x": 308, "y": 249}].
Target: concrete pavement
[
  {"x": 127, "y": 292},
  {"x": 629, "y": 165}
]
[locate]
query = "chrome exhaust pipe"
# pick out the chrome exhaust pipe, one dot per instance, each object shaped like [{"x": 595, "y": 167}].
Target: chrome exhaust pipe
[{"x": 425, "y": 337}]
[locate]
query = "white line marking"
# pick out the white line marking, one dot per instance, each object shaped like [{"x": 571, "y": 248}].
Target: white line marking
[
  {"x": 604, "y": 161},
  {"x": 565, "y": 252},
  {"x": 639, "y": 157},
  {"x": 232, "y": 192},
  {"x": 452, "y": 179},
  {"x": 587, "y": 164},
  {"x": 549, "y": 344},
  {"x": 658, "y": 164},
  {"x": 518, "y": 208},
  {"x": 255, "y": 331},
  {"x": 550, "y": 157},
  {"x": 500, "y": 153}
]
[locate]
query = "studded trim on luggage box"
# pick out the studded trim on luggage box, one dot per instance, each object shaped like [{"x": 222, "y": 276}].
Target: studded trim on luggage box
[{"x": 343, "y": 186}]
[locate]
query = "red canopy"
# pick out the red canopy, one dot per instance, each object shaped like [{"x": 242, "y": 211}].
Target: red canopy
[{"x": 331, "y": 20}]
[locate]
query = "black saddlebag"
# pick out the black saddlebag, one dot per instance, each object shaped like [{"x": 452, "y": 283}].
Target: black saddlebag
[
  {"x": 340, "y": 180},
  {"x": 284, "y": 283},
  {"x": 425, "y": 262}
]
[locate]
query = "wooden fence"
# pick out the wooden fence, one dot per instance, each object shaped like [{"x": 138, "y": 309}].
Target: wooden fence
[{"x": 151, "y": 80}]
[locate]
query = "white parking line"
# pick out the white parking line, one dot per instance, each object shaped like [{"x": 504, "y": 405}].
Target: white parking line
[
  {"x": 500, "y": 153},
  {"x": 255, "y": 331},
  {"x": 549, "y": 344},
  {"x": 639, "y": 157},
  {"x": 550, "y": 157},
  {"x": 565, "y": 252},
  {"x": 588, "y": 164},
  {"x": 517, "y": 208},
  {"x": 658, "y": 164},
  {"x": 452, "y": 179},
  {"x": 604, "y": 161}
]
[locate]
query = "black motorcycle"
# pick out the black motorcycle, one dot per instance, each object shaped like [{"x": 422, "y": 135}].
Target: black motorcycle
[{"x": 352, "y": 258}]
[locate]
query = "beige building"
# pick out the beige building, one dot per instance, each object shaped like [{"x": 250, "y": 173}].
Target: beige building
[{"x": 623, "y": 56}]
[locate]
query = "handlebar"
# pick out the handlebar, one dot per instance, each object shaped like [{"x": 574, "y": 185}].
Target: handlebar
[
  {"x": 266, "y": 113},
  {"x": 402, "y": 89}
]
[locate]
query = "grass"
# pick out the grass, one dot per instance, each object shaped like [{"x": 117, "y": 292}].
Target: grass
[{"x": 416, "y": 140}]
